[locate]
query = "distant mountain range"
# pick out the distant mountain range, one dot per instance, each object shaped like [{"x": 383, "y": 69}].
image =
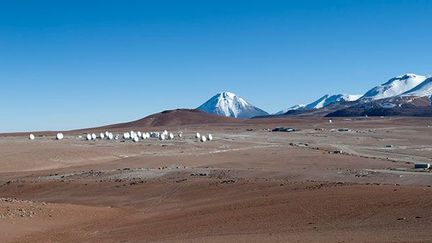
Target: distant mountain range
[
  {"x": 405, "y": 95},
  {"x": 398, "y": 96},
  {"x": 408, "y": 94}
]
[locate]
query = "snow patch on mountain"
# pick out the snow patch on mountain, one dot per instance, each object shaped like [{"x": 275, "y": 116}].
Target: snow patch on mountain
[
  {"x": 421, "y": 90},
  {"x": 230, "y": 105}
]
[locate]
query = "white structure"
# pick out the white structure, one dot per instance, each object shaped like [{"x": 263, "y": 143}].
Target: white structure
[
  {"x": 203, "y": 138},
  {"x": 32, "y": 137},
  {"x": 210, "y": 137},
  {"x": 162, "y": 136},
  {"x": 133, "y": 134},
  {"x": 94, "y": 136},
  {"x": 171, "y": 136},
  {"x": 126, "y": 135},
  {"x": 89, "y": 137},
  {"x": 102, "y": 135},
  {"x": 198, "y": 135},
  {"x": 110, "y": 136},
  {"x": 180, "y": 134},
  {"x": 135, "y": 139},
  {"x": 59, "y": 136}
]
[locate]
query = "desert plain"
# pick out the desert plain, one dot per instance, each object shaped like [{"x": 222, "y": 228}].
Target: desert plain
[{"x": 351, "y": 180}]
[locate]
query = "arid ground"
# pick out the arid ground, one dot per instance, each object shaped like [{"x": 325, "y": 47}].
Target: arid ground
[{"x": 317, "y": 184}]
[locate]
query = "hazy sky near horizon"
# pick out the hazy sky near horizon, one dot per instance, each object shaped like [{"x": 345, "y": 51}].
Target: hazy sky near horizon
[{"x": 74, "y": 64}]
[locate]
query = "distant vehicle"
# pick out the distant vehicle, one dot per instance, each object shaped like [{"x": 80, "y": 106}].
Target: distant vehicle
[
  {"x": 343, "y": 130},
  {"x": 422, "y": 166}
]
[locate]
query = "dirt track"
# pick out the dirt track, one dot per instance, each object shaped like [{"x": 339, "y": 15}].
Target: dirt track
[{"x": 247, "y": 185}]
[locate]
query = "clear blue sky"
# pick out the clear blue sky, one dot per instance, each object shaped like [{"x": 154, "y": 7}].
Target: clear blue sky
[{"x": 72, "y": 64}]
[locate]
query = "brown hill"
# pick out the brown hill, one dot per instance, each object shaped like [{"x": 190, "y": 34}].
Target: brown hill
[{"x": 176, "y": 117}]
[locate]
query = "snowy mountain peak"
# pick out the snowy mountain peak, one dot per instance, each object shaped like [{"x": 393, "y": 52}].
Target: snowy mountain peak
[
  {"x": 407, "y": 76},
  {"x": 230, "y": 105},
  {"x": 231, "y": 98},
  {"x": 328, "y": 100},
  {"x": 321, "y": 102},
  {"x": 394, "y": 86},
  {"x": 351, "y": 97},
  {"x": 227, "y": 95},
  {"x": 292, "y": 108}
]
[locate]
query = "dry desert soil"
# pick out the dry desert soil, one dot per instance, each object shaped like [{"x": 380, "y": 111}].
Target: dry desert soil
[{"x": 317, "y": 184}]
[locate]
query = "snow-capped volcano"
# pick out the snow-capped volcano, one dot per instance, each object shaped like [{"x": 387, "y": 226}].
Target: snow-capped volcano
[
  {"x": 394, "y": 87},
  {"x": 230, "y": 105},
  {"x": 421, "y": 90},
  {"x": 328, "y": 100}
]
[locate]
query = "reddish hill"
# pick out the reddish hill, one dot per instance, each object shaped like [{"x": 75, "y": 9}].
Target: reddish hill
[{"x": 176, "y": 117}]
